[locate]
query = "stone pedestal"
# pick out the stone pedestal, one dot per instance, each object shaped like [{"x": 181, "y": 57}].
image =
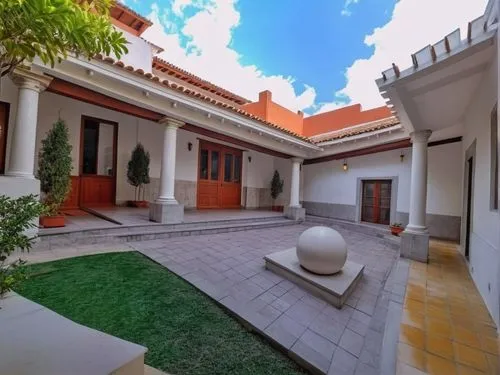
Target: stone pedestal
[
  {"x": 295, "y": 213},
  {"x": 415, "y": 246},
  {"x": 166, "y": 213}
]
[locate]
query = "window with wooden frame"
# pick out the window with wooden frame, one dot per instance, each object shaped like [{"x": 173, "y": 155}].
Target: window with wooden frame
[
  {"x": 4, "y": 126},
  {"x": 494, "y": 150}
]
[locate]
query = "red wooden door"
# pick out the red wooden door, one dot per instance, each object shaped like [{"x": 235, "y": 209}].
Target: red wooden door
[
  {"x": 219, "y": 176},
  {"x": 97, "y": 162},
  {"x": 376, "y": 201}
]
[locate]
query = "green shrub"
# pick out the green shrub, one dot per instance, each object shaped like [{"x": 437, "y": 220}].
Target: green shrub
[
  {"x": 138, "y": 170},
  {"x": 276, "y": 185},
  {"x": 54, "y": 167},
  {"x": 17, "y": 216}
]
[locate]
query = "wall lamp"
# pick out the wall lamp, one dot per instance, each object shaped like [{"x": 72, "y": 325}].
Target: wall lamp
[
  {"x": 249, "y": 159},
  {"x": 190, "y": 146},
  {"x": 402, "y": 156},
  {"x": 345, "y": 167}
]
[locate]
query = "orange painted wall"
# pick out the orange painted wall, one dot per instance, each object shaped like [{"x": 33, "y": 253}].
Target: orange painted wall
[
  {"x": 342, "y": 118},
  {"x": 268, "y": 110}
]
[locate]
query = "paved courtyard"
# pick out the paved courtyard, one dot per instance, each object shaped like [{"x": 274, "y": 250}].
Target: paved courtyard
[{"x": 230, "y": 268}]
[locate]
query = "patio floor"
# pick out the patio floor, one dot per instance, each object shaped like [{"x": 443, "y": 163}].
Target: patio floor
[{"x": 230, "y": 268}]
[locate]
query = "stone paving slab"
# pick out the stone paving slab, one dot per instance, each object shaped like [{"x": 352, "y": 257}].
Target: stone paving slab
[{"x": 229, "y": 267}]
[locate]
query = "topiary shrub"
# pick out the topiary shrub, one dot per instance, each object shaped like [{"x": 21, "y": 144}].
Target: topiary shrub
[
  {"x": 54, "y": 167},
  {"x": 138, "y": 170},
  {"x": 276, "y": 185}
]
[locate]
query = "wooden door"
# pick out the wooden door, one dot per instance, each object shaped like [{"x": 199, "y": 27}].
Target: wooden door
[
  {"x": 4, "y": 124},
  {"x": 376, "y": 202},
  {"x": 219, "y": 176},
  {"x": 97, "y": 162}
]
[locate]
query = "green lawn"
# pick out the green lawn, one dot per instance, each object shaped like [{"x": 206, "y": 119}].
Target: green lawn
[{"x": 129, "y": 296}]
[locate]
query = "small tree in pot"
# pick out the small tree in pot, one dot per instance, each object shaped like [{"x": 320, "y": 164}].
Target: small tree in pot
[
  {"x": 276, "y": 189},
  {"x": 54, "y": 173},
  {"x": 138, "y": 174}
]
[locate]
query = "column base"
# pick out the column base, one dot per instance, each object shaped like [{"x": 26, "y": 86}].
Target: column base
[
  {"x": 415, "y": 246},
  {"x": 166, "y": 213},
  {"x": 296, "y": 213}
]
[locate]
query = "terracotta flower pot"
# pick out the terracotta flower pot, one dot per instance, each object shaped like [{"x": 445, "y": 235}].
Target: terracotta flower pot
[
  {"x": 56, "y": 221},
  {"x": 138, "y": 204},
  {"x": 395, "y": 231}
]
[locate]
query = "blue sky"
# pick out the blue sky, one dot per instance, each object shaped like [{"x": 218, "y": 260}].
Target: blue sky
[{"x": 314, "y": 55}]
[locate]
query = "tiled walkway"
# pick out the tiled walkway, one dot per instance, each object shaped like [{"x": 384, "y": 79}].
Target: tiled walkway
[
  {"x": 446, "y": 328},
  {"x": 230, "y": 268}
]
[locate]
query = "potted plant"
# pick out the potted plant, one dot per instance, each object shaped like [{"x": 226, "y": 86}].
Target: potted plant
[
  {"x": 276, "y": 190},
  {"x": 54, "y": 173},
  {"x": 138, "y": 174},
  {"x": 396, "y": 228}
]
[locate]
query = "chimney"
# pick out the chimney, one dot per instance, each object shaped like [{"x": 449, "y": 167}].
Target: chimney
[{"x": 265, "y": 96}]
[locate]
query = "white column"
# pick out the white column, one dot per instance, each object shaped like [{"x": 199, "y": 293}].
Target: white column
[
  {"x": 167, "y": 174},
  {"x": 22, "y": 151},
  {"x": 295, "y": 183},
  {"x": 418, "y": 188}
]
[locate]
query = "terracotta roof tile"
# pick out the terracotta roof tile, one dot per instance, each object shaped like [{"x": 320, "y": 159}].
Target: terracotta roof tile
[
  {"x": 356, "y": 130},
  {"x": 172, "y": 69},
  {"x": 201, "y": 96}
]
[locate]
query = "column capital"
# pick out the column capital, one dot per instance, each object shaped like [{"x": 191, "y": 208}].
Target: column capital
[
  {"x": 171, "y": 122},
  {"x": 297, "y": 160},
  {"x": 28, "y": 79},
  {"x": 420, "y": 136}
]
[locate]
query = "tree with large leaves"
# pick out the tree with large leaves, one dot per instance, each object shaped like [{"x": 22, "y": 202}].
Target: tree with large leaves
[{"x": 51, "y": 29}]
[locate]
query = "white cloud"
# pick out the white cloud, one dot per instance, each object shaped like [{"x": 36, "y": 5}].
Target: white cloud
[
  {"x": 209, "y": 54},
  {"x": 414, "y": 24},
  {"x": 346, "y": 11}
]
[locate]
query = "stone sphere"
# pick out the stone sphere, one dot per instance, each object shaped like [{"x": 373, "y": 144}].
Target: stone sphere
[{"x": 322, "y": 250}]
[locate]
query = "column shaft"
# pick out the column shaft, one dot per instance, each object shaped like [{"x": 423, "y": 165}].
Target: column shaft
[{"x": 295, "y": 183}]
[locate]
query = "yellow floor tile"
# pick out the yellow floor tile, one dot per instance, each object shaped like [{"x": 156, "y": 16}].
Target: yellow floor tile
[
  {"x": 471, "y": 357},
  {"x": 440, "y": 346},
  {"x": 414, "y": 305},
  {"x": 493, "y": 364},
  {"x": 412, "y": 336},
  {"x": 413, "y": 318},
  {"x": 439, "y": 366},
  {"x": 490, "y": 345},
  {"x": 467, "y": 337},
  {"x": 412, "y": 356},
  {"x": 438, "y": 327},
  {"x": 437, "y": 312},
  {"x": 464, "y": 370}
]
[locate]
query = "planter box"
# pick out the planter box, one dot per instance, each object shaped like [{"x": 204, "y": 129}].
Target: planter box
[
  {"x": 277, "y": 208},
  {"x": 52, "y": 221},
  {"x": 395, "y": 231},
  {"x": 138, "y": 204}
]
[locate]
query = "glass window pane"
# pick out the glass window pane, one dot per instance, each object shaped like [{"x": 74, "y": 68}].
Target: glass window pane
[
  {"x": 237, "y": 169},
  {"x": 228, "y": 167},
  {"x": 105, "y": 150},
  {"x": 214, "y": 172},
  {"x": 204, "y": 165},
  {"x": 90, "y": 140}
]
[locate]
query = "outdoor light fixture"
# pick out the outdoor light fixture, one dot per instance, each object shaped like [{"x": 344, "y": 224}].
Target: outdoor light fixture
[
  {"x": 249, "y": 159},
  {"x": 402, "y": 156},
  {"x": 190, "y": 146},
  {"x": 345, "y": 167}
]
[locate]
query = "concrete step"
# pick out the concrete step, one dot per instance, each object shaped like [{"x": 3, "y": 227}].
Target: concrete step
[{"x": 146, "y": 233}]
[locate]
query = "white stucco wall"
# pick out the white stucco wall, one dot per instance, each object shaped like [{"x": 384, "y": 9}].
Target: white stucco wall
[
  {"x": 329, "y": 183},
  {"x": 485, "y": 237},
  {"x": 140, "y": 53}
]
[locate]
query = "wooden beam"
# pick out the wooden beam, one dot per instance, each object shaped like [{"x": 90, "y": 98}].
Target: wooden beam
[{"x": 68, "y": 89}]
